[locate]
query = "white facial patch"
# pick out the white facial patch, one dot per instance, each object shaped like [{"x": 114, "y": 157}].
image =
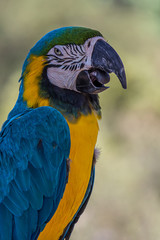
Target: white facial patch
[{"x": 67, "y": 61}]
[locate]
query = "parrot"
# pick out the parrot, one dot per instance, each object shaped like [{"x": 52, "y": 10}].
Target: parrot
[{"x": 48, "y": 142}]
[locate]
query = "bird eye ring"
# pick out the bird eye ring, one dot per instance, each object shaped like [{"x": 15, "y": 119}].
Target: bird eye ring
[{"x": 58, "y": 52}]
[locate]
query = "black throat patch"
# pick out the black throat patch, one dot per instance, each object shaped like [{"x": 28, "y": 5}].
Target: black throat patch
[{"x": 70, "y": 103}]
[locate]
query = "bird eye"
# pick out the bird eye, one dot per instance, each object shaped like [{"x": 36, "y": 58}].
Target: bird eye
[{"x": 58, "y": 52}]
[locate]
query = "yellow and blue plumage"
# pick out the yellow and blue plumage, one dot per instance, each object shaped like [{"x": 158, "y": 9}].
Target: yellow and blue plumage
[{"x": 47, "y": 144}]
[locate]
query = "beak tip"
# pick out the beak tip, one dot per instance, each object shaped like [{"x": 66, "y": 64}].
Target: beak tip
[
  {"x": 124, "y": 83},
  {"x": 122, "y": 78}
]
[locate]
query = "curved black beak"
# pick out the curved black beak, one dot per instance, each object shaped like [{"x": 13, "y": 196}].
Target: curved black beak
[
  {"x": 104, "y": 60},
  {"x": 107, "y": 59}
]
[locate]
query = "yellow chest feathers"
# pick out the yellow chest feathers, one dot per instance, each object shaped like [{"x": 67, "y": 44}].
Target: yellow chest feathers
[{"x": 83, "y": 139}]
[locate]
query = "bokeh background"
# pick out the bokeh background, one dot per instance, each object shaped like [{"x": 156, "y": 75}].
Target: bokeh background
[{"x": 125, "y": 204}]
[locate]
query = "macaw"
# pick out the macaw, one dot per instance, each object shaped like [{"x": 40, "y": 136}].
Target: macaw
[{"x": 47, "y": 143}]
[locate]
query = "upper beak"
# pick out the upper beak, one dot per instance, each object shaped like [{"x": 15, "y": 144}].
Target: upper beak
[{"x": 104, "y": 60}]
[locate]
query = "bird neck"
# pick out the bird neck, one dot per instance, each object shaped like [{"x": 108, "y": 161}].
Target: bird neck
[{"x": 70, "y": 103}]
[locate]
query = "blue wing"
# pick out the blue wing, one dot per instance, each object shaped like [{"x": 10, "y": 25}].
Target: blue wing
[{"x": 33, "y": 171}]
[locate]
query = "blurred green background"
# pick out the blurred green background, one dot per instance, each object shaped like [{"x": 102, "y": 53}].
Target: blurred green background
[{"x": 125, "y": 204}]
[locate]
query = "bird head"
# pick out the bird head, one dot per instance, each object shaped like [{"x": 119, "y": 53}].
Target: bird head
[{"x": 72, "y": 58}]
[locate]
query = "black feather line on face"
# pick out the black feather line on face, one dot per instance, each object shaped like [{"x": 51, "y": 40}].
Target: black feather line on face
[
  {"x": 79, "y": 60},
  {"x": 68, "y": 61},
  {"x": 71, "y": 65},
  {"x": 89, "y": 44},
  {"x": 67, "y": 52},
  {"x": 72, "y": 49},
  {"x": 82, "y": 65},
  {"x": 74, "y": 67},
  {"x": 82, "y": 52},
  {"x": 72, "y": 62},
  {"x": 54, "y": 65},
  {"x": 67, "y": 66},
  {"x": 64, "y": 67}
]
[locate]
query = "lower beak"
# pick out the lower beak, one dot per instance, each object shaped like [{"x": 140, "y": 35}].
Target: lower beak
[{"x": 104, "y": 61}]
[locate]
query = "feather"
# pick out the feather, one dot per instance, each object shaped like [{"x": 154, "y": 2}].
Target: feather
[
  {"x": 39, "y": 178},
  {"x": 45, "y": 211},
  {"x": 17, "y": 197},
  {"x": 5, "y": 223},
  {"x": 22, "y": 179},
  {"x": 25, "y": 225},
  {"x": 12, "y": 207}
]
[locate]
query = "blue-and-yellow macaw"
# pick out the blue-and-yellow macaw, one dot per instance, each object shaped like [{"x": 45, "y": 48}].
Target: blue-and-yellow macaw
[{"x": 47, "y": 144}]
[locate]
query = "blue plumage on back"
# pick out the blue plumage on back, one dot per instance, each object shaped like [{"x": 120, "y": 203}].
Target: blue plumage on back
[{"x": 33, "y": 171}]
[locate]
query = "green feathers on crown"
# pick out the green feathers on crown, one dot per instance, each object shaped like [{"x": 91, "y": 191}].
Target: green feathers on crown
[{"x": 62, "y": 36}]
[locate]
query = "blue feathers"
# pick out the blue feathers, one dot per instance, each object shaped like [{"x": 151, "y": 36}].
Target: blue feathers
[
  {"x": 33, "y": 150},
  {"x": 5, "y": 223}
]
